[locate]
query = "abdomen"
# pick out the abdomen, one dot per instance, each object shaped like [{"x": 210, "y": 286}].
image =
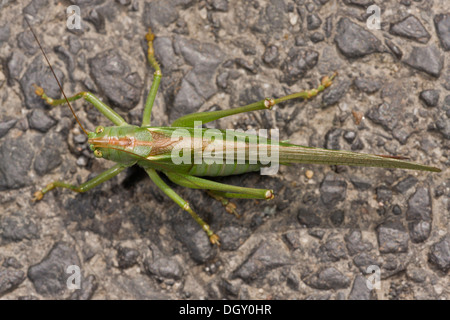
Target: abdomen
[{"x": 216, "y": 170}]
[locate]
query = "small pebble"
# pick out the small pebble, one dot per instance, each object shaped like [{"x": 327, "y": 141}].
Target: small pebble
[{"x": 82, "y": 161}]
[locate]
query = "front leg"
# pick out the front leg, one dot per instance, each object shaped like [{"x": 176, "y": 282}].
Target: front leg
[
  {"x": 88, "y": 185},
  {"x": 89, "y": 97}
]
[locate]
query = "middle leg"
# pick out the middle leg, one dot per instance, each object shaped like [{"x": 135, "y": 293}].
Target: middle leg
[
  {"x": 156, "y": 79},
  {"x": 183, "y": 204}
]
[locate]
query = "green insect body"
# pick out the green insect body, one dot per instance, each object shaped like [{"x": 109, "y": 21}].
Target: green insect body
[{"x": 153, "y": 148}]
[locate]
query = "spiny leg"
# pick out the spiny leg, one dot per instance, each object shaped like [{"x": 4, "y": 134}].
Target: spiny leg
[
  {"x": 200, "y": 183},
  {"x": 183, "y": 204},
  {"x": 237, "y": 195},
  {"x": 220, "y": 191},
  {"x": 268, "y": 103},
  {"x": 230, "y": 207},
  {"x": 89, "y": 97},
  {"x": 88, "y": 185},
  {"x": 156, "y": 79}
]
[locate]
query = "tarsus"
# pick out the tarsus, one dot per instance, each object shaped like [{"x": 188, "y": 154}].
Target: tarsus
[{"x": 54, "y": 75}]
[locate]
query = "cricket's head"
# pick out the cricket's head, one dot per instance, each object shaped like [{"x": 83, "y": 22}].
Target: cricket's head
[{"x": 124, "y": 144}]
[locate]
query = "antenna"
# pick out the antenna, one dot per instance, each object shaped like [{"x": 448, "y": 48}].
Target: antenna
[{"x": 54, "y": 75}]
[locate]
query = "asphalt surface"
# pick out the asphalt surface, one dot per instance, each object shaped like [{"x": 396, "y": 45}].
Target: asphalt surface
[{"x": 327, "y": 227}]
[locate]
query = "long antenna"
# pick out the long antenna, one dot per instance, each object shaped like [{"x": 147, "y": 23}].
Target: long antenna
[{"x": 54, "y": 75}]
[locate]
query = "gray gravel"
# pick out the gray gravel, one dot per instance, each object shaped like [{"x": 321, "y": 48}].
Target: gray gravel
[{"x": 319, "y": 235}]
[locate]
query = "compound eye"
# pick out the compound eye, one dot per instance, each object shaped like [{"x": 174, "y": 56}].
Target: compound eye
[
  {"x": 98, "y": 154},
  {"x": 99, "y": 129}
]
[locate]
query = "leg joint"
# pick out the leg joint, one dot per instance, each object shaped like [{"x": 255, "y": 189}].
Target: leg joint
[
  {"x": 269, "y": 195},
  {"x": 269, "y": 103},
  {"x": 187, "y": 207}
]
